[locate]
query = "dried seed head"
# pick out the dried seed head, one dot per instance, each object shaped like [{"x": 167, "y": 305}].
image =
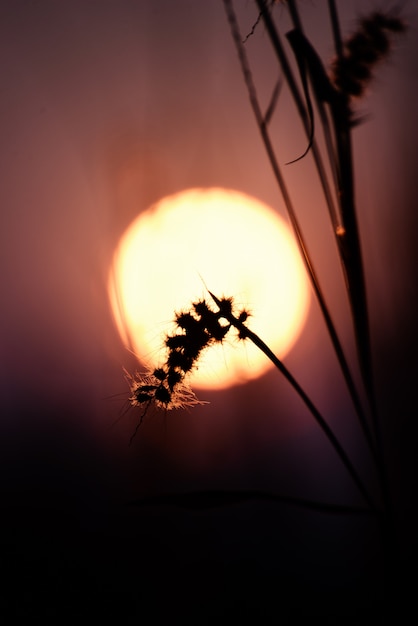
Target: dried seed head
[
  {"x": 187, "y": 322},
  {"x": 159, "y": 394},
  {"x": 243, "y": 316},
  {"x": 362, "y": 50},
  {"x": 196, "y": 330},
  {"x": 179, "y": 360},
  {"x": 201, "y": 307},
  {"x": 141, "y": 397},
  {"x": 377, "y": 35},
  {"x": 210, "y": 321},
  {"x": 173, "y": 378},
  {"x": 176, "y": 341},
  {"x": 159, "y": 373},
  {"x": 358, "y": 46},
  {"x": 163, "y": 395},
  {"x": 225, "y": 307}
]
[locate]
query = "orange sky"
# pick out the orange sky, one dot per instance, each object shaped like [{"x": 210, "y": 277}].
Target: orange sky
[{"x": 106, "y": 110}]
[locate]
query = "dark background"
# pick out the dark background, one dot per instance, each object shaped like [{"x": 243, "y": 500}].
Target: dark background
[{"x": 105, "y": 107}]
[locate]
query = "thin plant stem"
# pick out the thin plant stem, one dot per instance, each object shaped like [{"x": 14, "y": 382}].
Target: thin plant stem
[
  {"x": 350, "y": 249},
  {"x": 355, "y": 266},
  {"x": 294, "y": 14},
  {"x": 347, "y": 237},
  {"x": 336, "y": 31},
  {"x": 292, "y": 215},
  {"x": 336, "y": 220},
  {"x": 381, "y": 466},
  {"x": 277, "y": 46},
  {"x": 246, "y": 333},
  {"x": 348, "y": 240},
  {"x": 355, "y": 272},
  {"x": 294, "y": 90}
]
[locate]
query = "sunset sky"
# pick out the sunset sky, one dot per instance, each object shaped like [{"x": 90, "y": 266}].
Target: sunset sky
[{"x": 105, "y": 108}]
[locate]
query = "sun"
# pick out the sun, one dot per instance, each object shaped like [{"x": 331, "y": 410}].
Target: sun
[{"x": 216, "y": 239}]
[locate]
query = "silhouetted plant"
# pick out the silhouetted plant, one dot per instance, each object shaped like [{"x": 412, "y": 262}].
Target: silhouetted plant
[{"x": 330, "y": 94}]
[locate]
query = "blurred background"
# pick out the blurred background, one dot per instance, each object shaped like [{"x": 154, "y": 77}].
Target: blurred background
[{"x": 105, "y": 108}]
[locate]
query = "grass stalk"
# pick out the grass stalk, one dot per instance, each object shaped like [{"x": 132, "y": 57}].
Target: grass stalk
[
  {"x": 347, "y": 238},
  {"x": 246, "y": 333},
  {"x": 286, "y": 196},
  {"x": 334, "y": 103},
  {"x": 367, "y": 365}
]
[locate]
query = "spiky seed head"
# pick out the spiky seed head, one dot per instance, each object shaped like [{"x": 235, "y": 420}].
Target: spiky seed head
[
  {"x": 243, "y": 316},
  {"x": 173, "y": 378},
  {"x": 140, "y": 396},
  {"x": 163, "y": 395},
  {"x": 159, "y": 373}
]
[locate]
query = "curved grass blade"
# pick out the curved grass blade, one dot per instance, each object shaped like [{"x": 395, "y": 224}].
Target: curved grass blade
[{"x": 246, "y": 333}]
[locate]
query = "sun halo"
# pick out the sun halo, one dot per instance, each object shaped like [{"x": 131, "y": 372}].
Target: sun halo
[{"x": 221, "y": 239}]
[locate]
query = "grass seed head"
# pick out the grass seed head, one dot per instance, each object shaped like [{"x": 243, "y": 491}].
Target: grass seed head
[
  {"x": 196, "y": 329},
  {"x": 371, "y": 43}
]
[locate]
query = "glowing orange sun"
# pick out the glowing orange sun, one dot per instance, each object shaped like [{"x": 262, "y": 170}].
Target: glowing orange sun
[{"x": 234, "y": 243}]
